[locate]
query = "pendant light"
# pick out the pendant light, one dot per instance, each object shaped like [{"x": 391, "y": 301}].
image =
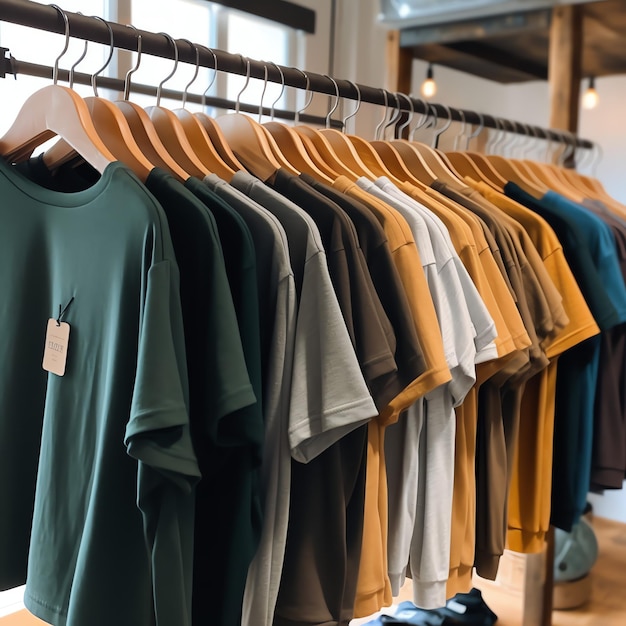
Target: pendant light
[
  {"x": 590, "y": 97},
  {"x": 429, "y": 86}
]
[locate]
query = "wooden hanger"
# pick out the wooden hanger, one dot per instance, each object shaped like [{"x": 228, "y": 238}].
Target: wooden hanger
[
  {"x": 55, "y": 110},
  {"x": 109, "y": 122},
  {"x": 414, "y": 170},
  {"x": 429, "y": 154},
  {"x": 197, "y": 135},
  {"x": 346, "y": 162},
  {"x": 291, "y": 144},
  {"x": 461, "y": 160},
  {"x": 487, "y": 172},
  {"x": 213, "y": 130},
  {"x": 251, "y": 143},
  {"x": 355, "y": 152},
  {"x": 509, "y": 169},
  {"x": 142, "y": 128},
  {"x": 171, "y": 131}
]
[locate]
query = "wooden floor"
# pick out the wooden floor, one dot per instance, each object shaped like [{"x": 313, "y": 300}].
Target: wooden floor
[
  {"x": 607, "y": 606},
  {"x": 607, "y": 603}
]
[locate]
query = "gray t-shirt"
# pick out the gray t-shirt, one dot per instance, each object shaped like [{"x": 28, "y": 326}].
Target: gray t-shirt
[{"x": 328, "y": 397}]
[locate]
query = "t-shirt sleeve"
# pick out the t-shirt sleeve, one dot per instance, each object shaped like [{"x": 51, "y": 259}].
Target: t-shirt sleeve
[
  {"x": 329, "y": 397},
  {"x": 157, "y": 432},
  {"x": 158, "y": 436}
]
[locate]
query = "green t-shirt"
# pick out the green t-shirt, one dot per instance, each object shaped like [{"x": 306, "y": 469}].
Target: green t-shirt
[
  {"x": 112, "y": 523},
  {"x": 221, "y": 567}
]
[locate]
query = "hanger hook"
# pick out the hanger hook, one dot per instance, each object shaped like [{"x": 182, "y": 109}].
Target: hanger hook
[
  {"x": 561, "y": 140},
  {"x": 195, "y": 73},
  {"x": 282, "y": 89},
  {"x": 132, "y": 70},
  {"x": 336, "y": 103},
  {"x": 433, "y": 109},
  {"x": 596, "y": 161},
  {"x": 530, "y": 133},
  {"x": 80, "y": 58},
  {"x": 310, "y": 96},
  {"x": 160, "y": 87},
  {"x": 444, "y": 128},
  {"x": 461, "y": 133},
  {"x": 356, "y": 110},
  {"x": 247, "y": 60},
  {"x": 393, "y": 119},
  {"x": 263, "y": 92},
  {"x": 380, "y": 124},
  {"x": 425, "y": 117},
  {"x": 504, "y": 142},
  {"x": 95, "y": 75},
  {"x": 66, "y": 21},
  {"x": 212, "y": 77},
  {"x": 570, "y": 149},
  {"x": 477, "y": 132},
  {"x": 409, "y": 118},
  {"x": 492, "y": 141}
]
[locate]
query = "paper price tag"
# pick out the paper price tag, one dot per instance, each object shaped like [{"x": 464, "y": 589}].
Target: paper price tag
[{"x": 55, "y": 350}]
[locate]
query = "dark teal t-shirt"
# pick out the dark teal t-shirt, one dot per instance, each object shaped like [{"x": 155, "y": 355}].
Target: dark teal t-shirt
[
  {"x": 112, "y": 523},
  {"x": 220, "y": 306},
  {"x": 590, "y": 250}
]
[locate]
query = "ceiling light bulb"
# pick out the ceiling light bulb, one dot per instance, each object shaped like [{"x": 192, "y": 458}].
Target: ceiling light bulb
[
  {"x": 429, "y": 86},
  {"x": 590, "y": 97}
]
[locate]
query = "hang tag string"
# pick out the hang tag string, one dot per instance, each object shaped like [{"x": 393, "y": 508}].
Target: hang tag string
[{"x": 63, "y": 311}]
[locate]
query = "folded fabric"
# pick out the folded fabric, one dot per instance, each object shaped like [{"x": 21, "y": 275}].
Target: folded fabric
[
  {"x": 469, "y": 609},
  {"x": 408, "y": 613},
  {"x": 464, "y": 609}
]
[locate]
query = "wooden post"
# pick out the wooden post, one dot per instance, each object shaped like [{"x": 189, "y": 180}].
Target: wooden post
[
  {"x": 548, "y": 588},
  {"x": 564, "y": 67},
  {"x": 399, "y": 64},
  {"x": 399, "y": 68}
]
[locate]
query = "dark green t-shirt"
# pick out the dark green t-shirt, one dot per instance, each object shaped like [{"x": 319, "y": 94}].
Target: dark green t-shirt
[
  {"x": 222, "y": 556},
  {"x": 112, "y": 524}
]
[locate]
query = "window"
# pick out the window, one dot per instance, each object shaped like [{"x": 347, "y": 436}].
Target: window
[
  {"x": 201, "y": 22},
  {"x": 196, "y": 20}
]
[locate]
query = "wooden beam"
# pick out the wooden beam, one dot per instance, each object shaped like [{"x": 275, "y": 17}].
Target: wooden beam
[
  {"x": 487, "y": 52},
  {"x": 564, "y": 67},
  {"x": 399, "y": 64}
]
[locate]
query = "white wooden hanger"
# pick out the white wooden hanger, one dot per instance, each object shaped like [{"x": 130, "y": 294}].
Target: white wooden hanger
[
  {"x": 55, "y": 110},
  {"x": 251, "y": 143}
]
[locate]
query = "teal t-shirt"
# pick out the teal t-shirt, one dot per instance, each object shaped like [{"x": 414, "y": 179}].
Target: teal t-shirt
[{"x": 112, "y": 521}]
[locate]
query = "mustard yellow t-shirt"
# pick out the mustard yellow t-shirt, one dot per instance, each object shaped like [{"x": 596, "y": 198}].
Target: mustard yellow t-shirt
[{"x": 373, "y": 586}]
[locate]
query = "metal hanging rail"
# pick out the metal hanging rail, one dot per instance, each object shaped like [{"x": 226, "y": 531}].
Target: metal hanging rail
[{"x": 46, "y": 17}]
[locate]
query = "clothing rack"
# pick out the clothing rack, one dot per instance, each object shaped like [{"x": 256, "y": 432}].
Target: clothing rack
[{"x": 46, "y": 17}]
